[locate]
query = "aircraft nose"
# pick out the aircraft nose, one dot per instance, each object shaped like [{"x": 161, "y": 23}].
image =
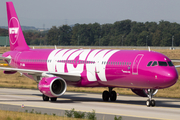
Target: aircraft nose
[{"x": 171, "y": 77}]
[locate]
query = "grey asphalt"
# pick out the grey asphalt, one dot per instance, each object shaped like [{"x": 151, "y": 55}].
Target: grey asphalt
[{"x": 129, "y": 107}]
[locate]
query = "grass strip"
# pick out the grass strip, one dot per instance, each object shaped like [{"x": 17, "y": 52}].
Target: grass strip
[{"x": 12, "y": 115}]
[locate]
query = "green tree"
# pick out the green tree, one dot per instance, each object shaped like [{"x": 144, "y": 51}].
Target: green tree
[
  {"x": 176, "y": 41},
  {"x": 52, "y": 36},
  {"x": 75, "y": 35},
  {"x": 3, "y": 32},
  {"x": 156, "y": 38},
  {"x": 142, "y": 37},
  {"x": 122, "y": 27},
  {"x": 130, "y": 39},
  {"x": 64, "y": 34},
  {"x": 166, "y": 39}
]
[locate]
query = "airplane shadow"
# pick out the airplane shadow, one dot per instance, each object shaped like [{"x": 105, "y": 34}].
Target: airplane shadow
[{"x": 159, "y": 103}]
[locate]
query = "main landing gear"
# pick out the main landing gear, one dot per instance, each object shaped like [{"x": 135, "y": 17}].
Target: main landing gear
[
  {"x": 109, "y": 94},
  {"x": 46, "y": 98},
  {"x": 150, "y": 93}
]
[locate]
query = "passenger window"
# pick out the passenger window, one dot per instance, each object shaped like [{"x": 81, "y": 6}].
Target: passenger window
[
  {"x": 154, "y": 63},
  {"x": 162, "y": 63},
  {"x": 170, "y": 63},
  {"x": 149, "y": 64}
]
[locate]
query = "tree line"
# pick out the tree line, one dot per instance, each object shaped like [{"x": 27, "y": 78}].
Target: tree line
[{"x": 120, "y": 33}]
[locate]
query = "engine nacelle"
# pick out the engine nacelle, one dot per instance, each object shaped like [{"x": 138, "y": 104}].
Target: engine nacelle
[
  {"x": 144, "y": 92},
  {"x": 10, "y": 72},
  {"x": 52, "y": 86}
]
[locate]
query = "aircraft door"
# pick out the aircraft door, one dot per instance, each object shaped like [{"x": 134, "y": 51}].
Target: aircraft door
[{"x": 136, "y": 64}]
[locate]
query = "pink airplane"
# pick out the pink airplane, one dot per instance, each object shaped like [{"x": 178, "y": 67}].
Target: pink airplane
[{"x": 144, "y": 72}]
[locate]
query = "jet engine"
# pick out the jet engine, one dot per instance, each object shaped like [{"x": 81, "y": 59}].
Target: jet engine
[
  {"x": 144, "y": 92},
  {"x": 10, "y": 72},
  {"x": 52, "y": 86}
]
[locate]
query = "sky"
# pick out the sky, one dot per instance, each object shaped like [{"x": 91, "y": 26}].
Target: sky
[{"x": 58, "y": 12}]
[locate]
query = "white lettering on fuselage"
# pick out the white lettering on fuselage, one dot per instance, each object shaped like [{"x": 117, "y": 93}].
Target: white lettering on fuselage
[{"x": 80, "y": 58}]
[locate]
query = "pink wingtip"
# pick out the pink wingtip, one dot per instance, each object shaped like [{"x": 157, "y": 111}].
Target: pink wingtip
[{"x": 16, "y": 37}]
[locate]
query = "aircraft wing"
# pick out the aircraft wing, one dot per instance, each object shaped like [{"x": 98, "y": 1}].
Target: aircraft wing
[
  {"x": 176, "y": 60},
  {"x": 75, "y": 76},
  {"x": 177, "y": 66}
]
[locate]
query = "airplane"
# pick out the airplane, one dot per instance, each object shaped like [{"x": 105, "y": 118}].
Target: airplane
[{"x": 142, "y": 71}]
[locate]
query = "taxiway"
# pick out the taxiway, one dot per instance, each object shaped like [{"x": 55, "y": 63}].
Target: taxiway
[{"x": 129, "y": 107}]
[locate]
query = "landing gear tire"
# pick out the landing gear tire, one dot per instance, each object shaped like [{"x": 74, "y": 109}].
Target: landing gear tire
[
  {"x": 45, "y": 98},
  {"x": 148, "y": 103},
  {"x": 151, "y": 103},
  {"x": 109, "y": 94},
  {"x": 105, "y": 96},
  {"x": 54, "y": 99},
  {"x": 113, "y": 96}
]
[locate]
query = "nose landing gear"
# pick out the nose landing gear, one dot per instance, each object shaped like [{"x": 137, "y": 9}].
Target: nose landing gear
[{"x": 150, "y": 93}]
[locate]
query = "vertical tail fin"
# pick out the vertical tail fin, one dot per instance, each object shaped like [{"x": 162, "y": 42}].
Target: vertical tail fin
[{"x": 16, "y": 37}]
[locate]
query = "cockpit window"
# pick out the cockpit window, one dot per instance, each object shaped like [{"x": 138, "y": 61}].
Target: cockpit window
[
  {"x": 170, "y": 63},
  {"x": 149, "y": 63},
  {"x": 154, "y": 63},
  {"x": 162, "y": 63}
]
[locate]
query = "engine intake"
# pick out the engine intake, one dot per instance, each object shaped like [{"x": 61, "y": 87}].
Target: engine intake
[{"x": 52, "y": 86}]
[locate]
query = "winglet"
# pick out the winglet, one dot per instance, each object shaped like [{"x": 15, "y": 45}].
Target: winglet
[{"x": 16, "y": 37}]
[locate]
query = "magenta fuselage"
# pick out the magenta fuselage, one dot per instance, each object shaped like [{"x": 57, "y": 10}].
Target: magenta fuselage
[{"x": 99, "y": 67}]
